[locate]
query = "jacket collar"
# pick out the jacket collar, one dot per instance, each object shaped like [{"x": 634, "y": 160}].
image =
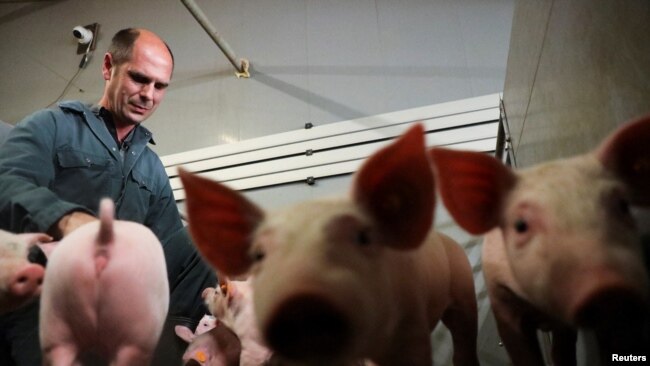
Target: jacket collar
[{"x": 140, "y": 132}]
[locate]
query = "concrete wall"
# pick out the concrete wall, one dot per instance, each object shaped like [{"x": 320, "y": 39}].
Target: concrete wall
[{"x": 576, "y": 70}]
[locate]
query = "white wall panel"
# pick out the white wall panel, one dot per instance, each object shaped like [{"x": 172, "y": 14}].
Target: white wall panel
[{"x": 339, "y": 148}]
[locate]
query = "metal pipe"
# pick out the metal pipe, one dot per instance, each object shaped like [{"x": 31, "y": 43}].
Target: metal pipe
[{"x": 199, "y": 15}]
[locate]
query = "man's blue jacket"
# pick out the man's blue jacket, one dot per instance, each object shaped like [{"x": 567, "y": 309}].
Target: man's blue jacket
[{"x": 64, "y": 159}]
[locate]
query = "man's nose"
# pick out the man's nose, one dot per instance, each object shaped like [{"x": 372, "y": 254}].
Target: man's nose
[{"x": 146, "y": 92}]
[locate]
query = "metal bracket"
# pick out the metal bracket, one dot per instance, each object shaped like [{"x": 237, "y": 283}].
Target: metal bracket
[{"x": 244, "y": 67}]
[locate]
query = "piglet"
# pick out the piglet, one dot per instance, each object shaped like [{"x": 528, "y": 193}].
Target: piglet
[
  {"x": 344, "y": 279},
  {"x": 105, "y": 294},
  {"x": 564, "y": 251},
  {"x": 218, "y": 346},
  {"x": 232, "y": 303},
  {"x": 20, "y": 280},
  {"x": 206, "y": 323}
]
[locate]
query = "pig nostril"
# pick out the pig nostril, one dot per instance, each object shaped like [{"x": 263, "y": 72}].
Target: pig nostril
[
  {"x": 308, "y": 328},
  {"x": 609, "y": 307},
  {"x": 22, "y": 279},
  {"x": 618, "y": 319}
]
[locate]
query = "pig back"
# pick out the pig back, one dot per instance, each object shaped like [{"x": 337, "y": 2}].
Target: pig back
[
  {"x": 134, "y": 284},
  {"x": 456, "y": 279}
]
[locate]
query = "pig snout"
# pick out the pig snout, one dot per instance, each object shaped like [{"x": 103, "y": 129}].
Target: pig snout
[
  {"x": 615, "y": 312},
  {"x": 308, "y": 327},
  {"x": 603, "y": 295},
  {"x": 27, "y": 281},
  {"x": 36, "y": 255},
  {"x": 615, "y": 303}
]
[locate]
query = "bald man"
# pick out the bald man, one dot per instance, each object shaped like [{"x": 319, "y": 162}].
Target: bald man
[{"x": 58, "y": 163}]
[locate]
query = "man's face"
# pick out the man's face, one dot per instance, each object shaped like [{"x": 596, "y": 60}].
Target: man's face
[{"x": 136, "y": 87}]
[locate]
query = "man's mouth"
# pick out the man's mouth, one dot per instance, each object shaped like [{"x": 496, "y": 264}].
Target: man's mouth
[{"x": 140, "y": 109}]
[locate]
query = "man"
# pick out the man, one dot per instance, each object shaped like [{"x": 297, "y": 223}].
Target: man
[
  {"x": 57, "y": 164},
  {"x": 4, "y": 131}
]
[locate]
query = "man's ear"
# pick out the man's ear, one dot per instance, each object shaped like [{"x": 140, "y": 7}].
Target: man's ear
[{"x": 107, "y": 66}]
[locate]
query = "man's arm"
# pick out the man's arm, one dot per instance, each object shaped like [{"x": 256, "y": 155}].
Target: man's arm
[
  {"x": 70, "y": 222},
  {"x": 163, "y": 218},
  {"x": 26, "y": 171}
]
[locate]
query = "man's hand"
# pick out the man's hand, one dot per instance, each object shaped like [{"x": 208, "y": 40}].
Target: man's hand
[{"x": 70, "y": 222}]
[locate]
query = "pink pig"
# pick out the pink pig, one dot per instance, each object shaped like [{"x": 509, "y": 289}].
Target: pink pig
[
  {"x": 207, "y": 323},
  {"x": 105, "y": 294},
  {"x": 232, "y": 303},
  {"x": 218, "y": 346},
  {"x": 566, "y": 252},
  {"x": 344, "y": 279},
  {"x": 20, "y": 281},
  {"x": 209, "y": 346}
]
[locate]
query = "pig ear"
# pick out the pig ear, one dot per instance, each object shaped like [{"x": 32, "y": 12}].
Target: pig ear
[
  {"x": 184, "y": 333},
  {"x": 473, "y": 187},
  {"x": 225, "y": 286},
  {"x": 221, "y": 221},
  {"x": 627, "y": 153},
  {"x": 395, "y": 187}
]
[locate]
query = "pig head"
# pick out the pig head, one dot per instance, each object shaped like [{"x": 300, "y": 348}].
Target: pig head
[
  {"x": 565, "y": 249},
  {"x": 206, "y": 323},
  {"x": 218, "y": 346},
  {"x": 358, "y": 277},
  {"x": 20, "y": 280},
  {"x": 105, "y": 294}
]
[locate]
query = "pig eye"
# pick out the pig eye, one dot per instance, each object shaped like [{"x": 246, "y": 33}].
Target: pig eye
[
  {"x": 363, "y": 238},
  {"x": 257, "y": 255},
  {"x": 521, "y": 226}
]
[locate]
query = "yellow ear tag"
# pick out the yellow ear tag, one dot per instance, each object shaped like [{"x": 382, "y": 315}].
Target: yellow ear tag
[{"x": 201, "y": 357}]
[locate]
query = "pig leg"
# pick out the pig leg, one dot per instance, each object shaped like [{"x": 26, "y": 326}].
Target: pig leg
[
  {"x": 64, "y": 314},
  {"x": 563, "y": 349},
  {"x": 461, "y": 317},
  {"x": 463, "y": 328},
  {"x": 413, "y": 350},
  {"x": 131, "y": 356},
  {"x": 61, "y": 355},
  {"x": 517, "y": 331}
]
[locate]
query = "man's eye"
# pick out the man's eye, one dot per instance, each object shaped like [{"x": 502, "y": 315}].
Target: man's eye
[{"x": 139, "y": 79}]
